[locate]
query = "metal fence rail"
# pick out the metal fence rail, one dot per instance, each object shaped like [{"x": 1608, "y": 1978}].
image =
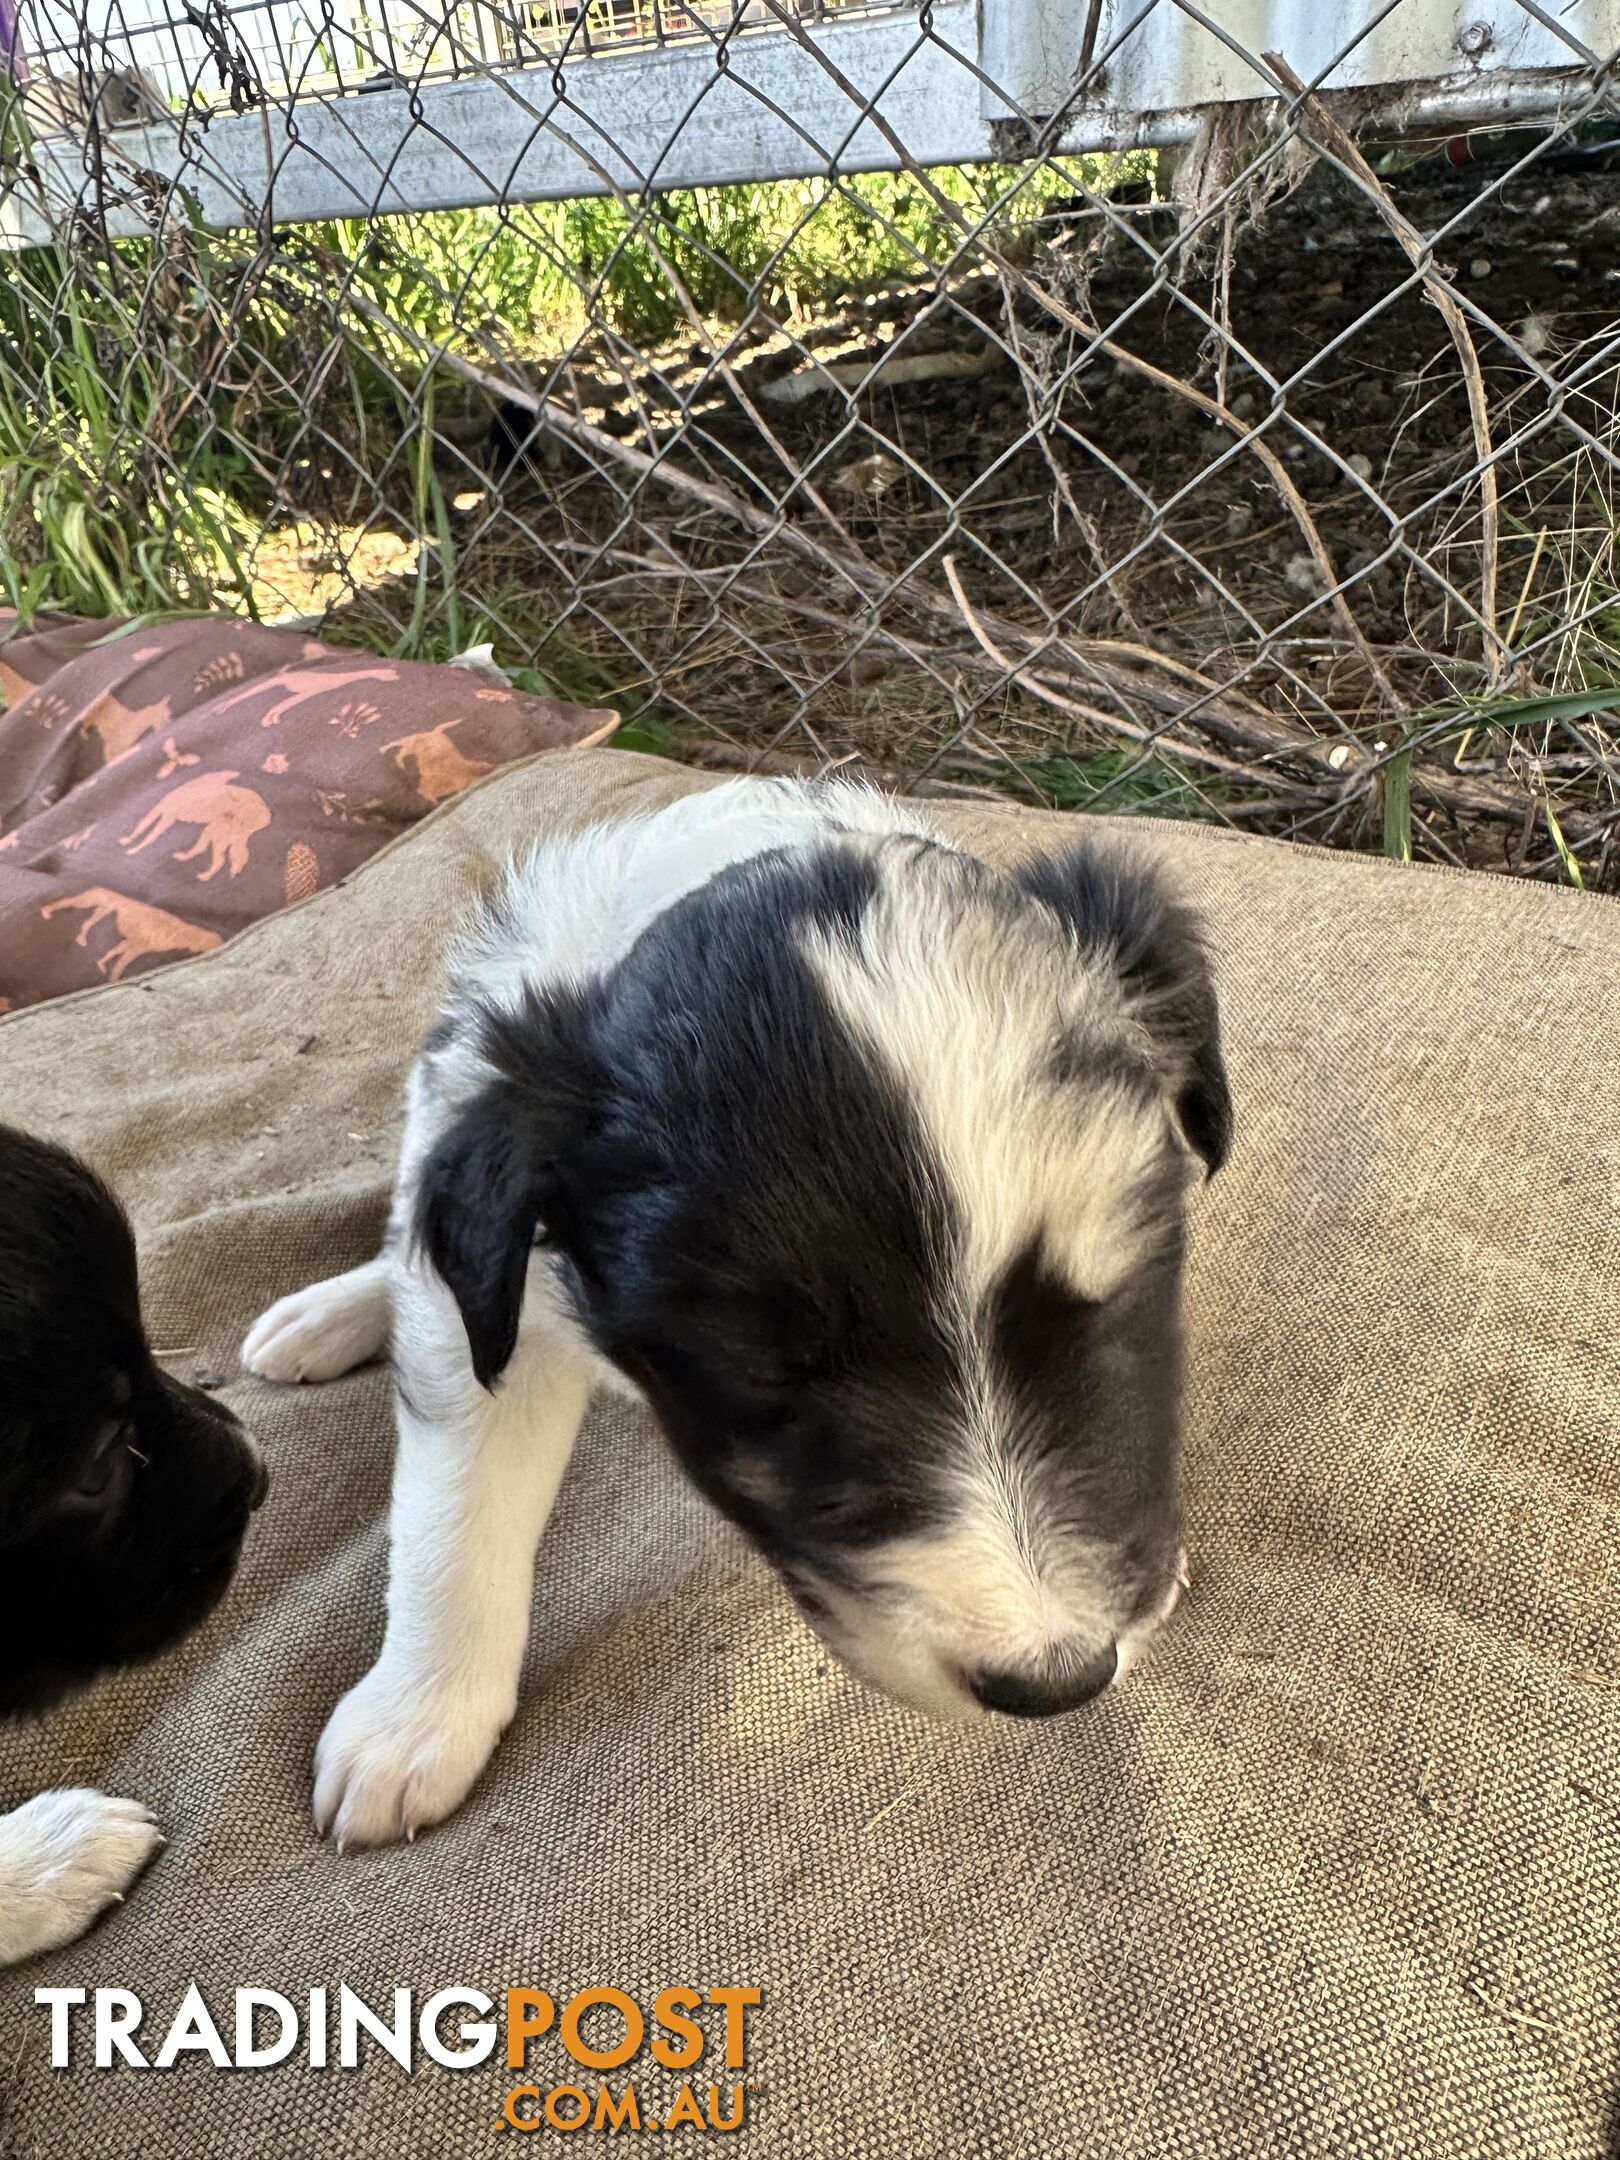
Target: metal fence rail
[{"x": 1122, "y": 402}]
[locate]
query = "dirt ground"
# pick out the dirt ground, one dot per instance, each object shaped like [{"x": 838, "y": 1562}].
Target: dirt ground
[{"x": 1101, "y": 500}]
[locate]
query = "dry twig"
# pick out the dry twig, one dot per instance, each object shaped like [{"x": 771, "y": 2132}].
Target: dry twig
[{"x": 1345, "y": 152}]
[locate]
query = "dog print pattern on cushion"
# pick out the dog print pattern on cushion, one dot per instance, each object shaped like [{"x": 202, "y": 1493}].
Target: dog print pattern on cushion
[{"x": 441, "y": 769}]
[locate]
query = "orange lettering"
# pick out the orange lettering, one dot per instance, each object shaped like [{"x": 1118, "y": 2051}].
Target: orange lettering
[
  {"x": 563, "y": 2092},
  {"x": 529, "y": 2012},
  {"x": 509, "y": 2113},
  {"x": 635, "y": 2027},
  {"x": 617, "y": 2115},
  {"x": 668, "y": 2011},
  {"x": 733, "y": 2121},
  {"x": 736, "y": 2001},
  {"x": 685, "y": 2110}
]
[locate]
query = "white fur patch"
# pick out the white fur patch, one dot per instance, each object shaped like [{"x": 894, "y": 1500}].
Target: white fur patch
[
  {"x": 64, "y": 1857},
  {"x": 965, "y": 1007},
  {"x": 964, "y": 1004},
  {"x": 473, "y": 1485},
  {"x": 573, "y": 907},
  {"x": 988, "y": 1602},
  {"x": 328, "y": 1329}
]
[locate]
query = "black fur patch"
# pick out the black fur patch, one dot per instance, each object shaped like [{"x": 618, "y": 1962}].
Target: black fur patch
[
  {"x": 1096, "y": 1389},
  {"x": 754, "y": 1229},
  {"x": 123, "y": 1494},
  {"x": 1123, "y": 914},
  {"x": 746, "y": 1203}
]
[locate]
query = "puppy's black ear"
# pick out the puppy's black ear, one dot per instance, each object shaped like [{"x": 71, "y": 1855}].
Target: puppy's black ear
[
  {"x": 1122, "y": 914},
  {"x": 496, "y": 1176}
]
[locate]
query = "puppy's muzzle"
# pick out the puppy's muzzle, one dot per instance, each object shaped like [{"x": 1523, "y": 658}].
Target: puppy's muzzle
[
  {"x": 248, "y": 1495},
  {"x": 1063, "y": 1680},
  {"x": 255, "y": 1482},
  {"x": 221, "y": 1529},
  {"x": 1067, "y": 1678}
]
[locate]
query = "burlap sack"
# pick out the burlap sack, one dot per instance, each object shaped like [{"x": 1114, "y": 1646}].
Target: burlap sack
[{"x": 1338, "y": 1873}]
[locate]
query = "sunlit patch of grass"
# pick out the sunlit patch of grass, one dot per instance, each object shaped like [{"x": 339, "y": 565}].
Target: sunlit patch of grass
[
  {"x": 98, "y": 513},
  {"x": 1143, "y": 783},
  {"x": 151, "y": 392},
  {"x": 303, "y": 569},
  {"x": 538, "y": 273}
]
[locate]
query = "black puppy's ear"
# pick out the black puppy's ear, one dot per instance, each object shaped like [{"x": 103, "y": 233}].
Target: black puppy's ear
[
  {"x": 495, "y": 1177},
  {"x": 1122, "y": 914}
]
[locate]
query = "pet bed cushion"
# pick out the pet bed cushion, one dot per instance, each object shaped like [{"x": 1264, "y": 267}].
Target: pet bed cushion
[
  {"x": 1336, "y": 1873},
  {"x": 163, "y": 786}
]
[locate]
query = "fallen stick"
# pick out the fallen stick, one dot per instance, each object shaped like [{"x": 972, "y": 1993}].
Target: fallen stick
[
  {"x": 1089, "y": 666},
  {"x": 854, "y": 376},
  {"x": 1346, "y": 153},
  {"x": 1019, "y": 671}
]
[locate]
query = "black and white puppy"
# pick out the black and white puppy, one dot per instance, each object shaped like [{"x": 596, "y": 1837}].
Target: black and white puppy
[
  {"x": 123, "y": 1500},
  {"x": 865, "y": 1166}
]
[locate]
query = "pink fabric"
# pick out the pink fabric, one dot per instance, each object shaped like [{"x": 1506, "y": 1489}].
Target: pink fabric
[{"x": 162, "y": 788}]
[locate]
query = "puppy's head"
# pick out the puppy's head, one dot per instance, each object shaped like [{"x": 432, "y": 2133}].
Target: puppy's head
[
  {"x": 868, "y": 1166},
  {"x": 123, "y": 1495}
]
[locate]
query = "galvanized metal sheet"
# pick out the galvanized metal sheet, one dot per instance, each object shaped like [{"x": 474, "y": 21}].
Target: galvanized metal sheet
[{"x": 1167, "y": 55}]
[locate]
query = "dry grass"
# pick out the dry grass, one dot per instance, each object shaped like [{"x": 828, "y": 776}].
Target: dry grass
[{"x": 1163, "y": 596}]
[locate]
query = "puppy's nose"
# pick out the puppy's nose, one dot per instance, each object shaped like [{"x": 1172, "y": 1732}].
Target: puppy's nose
[{"x": 1063, "y": 1682}]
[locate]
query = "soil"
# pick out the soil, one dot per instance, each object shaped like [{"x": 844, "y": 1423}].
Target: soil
[{"x": 1098, "y": 499}]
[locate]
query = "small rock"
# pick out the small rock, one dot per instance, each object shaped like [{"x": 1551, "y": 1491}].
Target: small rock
[
  {"x": 1535, "y": 334},
  {"x": 1480, "y": 267},
  {"x": 479, "y": 660},
  {"x": 1300, "y": 572},
  {"x": 1360, "y": 464}
]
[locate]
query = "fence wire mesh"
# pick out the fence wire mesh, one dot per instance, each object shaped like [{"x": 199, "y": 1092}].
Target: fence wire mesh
[{"x": 1265, "y": 472}]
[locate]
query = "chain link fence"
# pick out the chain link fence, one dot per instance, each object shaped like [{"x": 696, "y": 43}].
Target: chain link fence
[{"x": 1070, "y": 398}]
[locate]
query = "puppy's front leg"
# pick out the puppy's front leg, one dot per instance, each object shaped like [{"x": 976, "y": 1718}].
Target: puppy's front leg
[{"x": 474, "y": 1483}]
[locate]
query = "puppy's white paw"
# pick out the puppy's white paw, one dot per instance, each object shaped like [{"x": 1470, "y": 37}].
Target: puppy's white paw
[
  {"x": 64, "y": 1857},
  {"x": 399, "y": 1755},
  {"x": 317, "y": 1333}
]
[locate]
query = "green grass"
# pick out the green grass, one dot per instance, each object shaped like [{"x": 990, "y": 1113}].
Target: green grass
[
  {"x": 1145, "y": 783},
  {"x": 149, "y": 392},
  {"x": 110, "y": 501},
  {"x": 148, "y": 395},
  {"x": 540, "y": 272},
  {"x": 1535, "y": 717}
]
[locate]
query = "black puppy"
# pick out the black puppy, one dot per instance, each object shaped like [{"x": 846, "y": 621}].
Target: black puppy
[{"x": 124, "y": 1497}]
